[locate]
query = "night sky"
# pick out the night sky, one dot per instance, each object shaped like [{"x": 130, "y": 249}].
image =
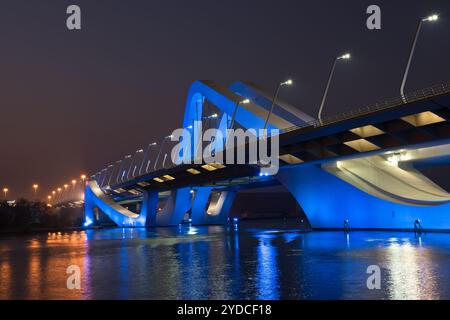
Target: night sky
[{"x": 75, "y": 101}]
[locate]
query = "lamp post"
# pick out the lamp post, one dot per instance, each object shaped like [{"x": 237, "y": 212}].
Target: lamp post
[
  {"x": 160, "y": 149},
  {"x": 145, "y": 157},
  {"x": 245, "y": 101},
  {"x": 132, "y": 163},
  {"x": 120, "y": 167},
  {"x": 35, "y": 187},
  {"x": 59, "y": 194},
  {"x": 431, "y": 18},
  {"x": 285, "y": 83},
  {"x": 5, "y": 191},
  {"x": 112, "y": 172},
  {"x": 233, "y": 117},
  {"x": 343, "y": 57}
]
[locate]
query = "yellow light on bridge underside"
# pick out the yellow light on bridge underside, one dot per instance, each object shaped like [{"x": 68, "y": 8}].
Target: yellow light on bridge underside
[
  {"x": 213, "y": 166},
  {"x": 193, "y": 171},
  {"x": 395, "y": 158},
  {"x": 245, "y": 101}
]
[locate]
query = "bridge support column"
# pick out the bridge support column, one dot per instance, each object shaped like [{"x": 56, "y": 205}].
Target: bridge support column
[
  {"x": 178, "y": 203},
  {"x": 89, "y": 207},
  {"x": 94, "y": 197},
  {"x": 205, "y": 213},
  {"x": 328, "y": 201},
  {"x": 149, "y": 208}
]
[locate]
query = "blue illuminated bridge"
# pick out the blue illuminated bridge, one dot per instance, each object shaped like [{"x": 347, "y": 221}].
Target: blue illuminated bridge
[{"x": 361, "y": 165}]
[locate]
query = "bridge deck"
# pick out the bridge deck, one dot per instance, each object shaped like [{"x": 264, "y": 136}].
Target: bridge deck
[{"x": 419, "y": 119}]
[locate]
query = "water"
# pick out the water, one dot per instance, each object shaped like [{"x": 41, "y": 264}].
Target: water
[{"x": 252, "y": 262}]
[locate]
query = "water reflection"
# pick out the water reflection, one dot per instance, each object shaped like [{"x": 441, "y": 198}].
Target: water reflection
[
  {"x": 411, "y": 273},
  {"x": 245, "y": 262},
  {"x": 267, "y": 270}
]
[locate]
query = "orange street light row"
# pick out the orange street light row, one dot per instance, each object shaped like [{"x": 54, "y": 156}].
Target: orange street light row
[
  {"x": 65, "y": 186},
  {"x": 35, "y": 187}
]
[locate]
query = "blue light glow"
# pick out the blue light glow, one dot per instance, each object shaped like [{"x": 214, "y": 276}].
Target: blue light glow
[{"x": 87, "y": 222}]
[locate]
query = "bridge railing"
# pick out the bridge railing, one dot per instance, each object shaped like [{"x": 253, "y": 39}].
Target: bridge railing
[
  {"x": 385, "y": 104},
  {"x": 152, "y": 159}
]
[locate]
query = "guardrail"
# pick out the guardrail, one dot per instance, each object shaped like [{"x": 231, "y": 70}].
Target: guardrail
[
  {"x": 114, "y": 176},
  {"x": 386, "y": 104}
]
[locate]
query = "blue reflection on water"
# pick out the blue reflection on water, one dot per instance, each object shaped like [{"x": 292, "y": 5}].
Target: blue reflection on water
[
  {"x": 267, "y": 272},
  {"x": 248, "y": 262}
]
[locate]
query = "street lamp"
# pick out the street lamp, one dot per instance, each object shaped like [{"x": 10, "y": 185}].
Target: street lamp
[
  {"x": 132, "y": 163},
  {"x": 112, "y": 171},
  {"x": 245, "y": 101},
  {"x": 122, "y": 170},
  {"x": 145, "y": 157},
  {"x": 5, "y": 191},
  {"x": 233, "y": 118},
  {"x": 285, "y": 83},
  {"x": 431, "y": 18},
  {"x": 345, "y": 56},
  {"x": 160, "y": 149},
  {"x": 74, "y": 182},
  {"x": 35, "y": 187}
]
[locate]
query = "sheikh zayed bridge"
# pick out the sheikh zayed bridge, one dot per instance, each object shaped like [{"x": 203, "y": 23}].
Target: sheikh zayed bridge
[{"x": 361, "y": 166}]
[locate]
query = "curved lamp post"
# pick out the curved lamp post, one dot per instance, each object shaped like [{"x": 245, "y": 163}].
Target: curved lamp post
[
  {"x": 345, "y": 56},
  {"x": 285, "y": 83},
  {"x": 431, "y": 18}
]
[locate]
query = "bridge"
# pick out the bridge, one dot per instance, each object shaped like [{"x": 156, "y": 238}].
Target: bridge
[{"x": 361, "y": 165}]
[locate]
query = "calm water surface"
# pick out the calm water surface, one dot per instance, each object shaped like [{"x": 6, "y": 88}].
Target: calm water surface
[{"x": 259, "y": 261}]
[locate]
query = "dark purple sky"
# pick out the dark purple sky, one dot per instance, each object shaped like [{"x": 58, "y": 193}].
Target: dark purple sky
[{"x": 73, "y": 102}]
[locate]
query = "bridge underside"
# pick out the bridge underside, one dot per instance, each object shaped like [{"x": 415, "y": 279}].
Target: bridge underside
[
  {"x": 328, "y": 200},
  {"x": 380, "y": 196},
  {"x": 203, "y": 205}
]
